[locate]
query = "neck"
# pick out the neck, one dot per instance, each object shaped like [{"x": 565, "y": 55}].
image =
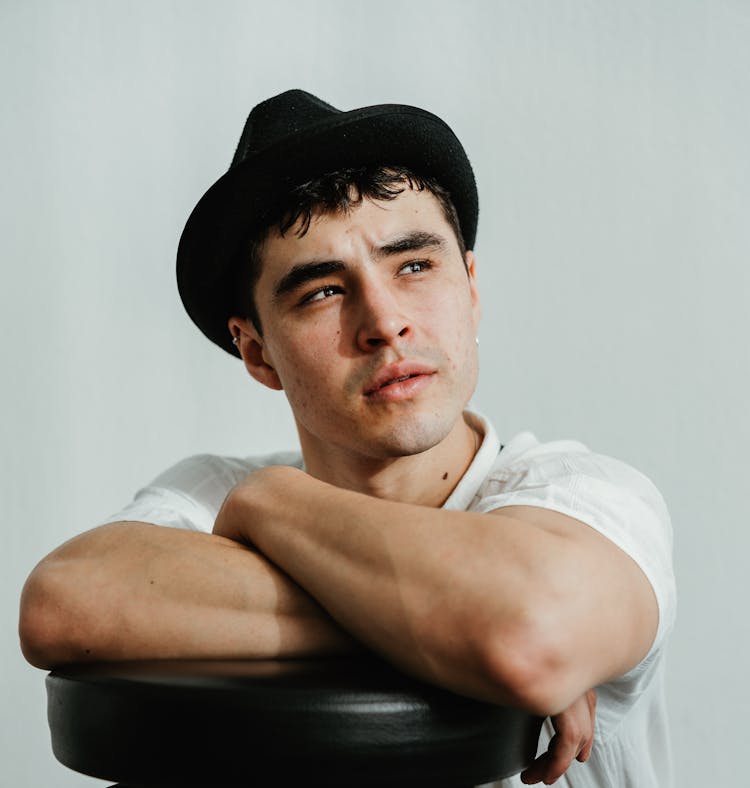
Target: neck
[{"x": 427, "y": 478}]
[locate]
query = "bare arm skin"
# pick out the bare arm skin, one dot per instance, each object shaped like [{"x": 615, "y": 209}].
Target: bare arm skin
[
  {"x": 139, "y": 591},
  {"x": 523, "y": 606},
  {"x": 135, "y": 590}
]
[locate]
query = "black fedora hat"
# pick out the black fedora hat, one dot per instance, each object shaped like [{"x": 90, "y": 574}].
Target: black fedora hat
[{"x": 289, "y": 140}]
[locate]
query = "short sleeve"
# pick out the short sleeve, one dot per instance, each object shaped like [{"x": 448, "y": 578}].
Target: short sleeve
[
  {"x": 625, "y": 507},
  {"x": 189, "y": 494},
  {"x": 606, "y": 494}
]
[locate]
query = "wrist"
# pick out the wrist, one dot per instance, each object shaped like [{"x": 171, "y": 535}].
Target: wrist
[{"x": 263, "y": 497}]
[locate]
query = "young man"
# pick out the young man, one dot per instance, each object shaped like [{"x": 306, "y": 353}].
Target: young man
[{"x": 334, "y": 257}]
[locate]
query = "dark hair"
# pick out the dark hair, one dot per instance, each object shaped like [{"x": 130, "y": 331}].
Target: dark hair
[{"x": 334, "y": 192}]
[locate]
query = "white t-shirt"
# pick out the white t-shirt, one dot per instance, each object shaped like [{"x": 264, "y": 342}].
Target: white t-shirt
[{"x": 631, "y": 747}]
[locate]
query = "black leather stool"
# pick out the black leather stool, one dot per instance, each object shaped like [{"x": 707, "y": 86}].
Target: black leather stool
[{"x": 333, "y": 723}]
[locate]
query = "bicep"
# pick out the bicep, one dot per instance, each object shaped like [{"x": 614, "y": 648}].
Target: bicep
[{"x": 605, "y": 609}]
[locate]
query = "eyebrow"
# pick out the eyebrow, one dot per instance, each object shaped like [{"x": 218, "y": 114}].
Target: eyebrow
[
  {"x": 302, "y": 273},
  {"x": 412, "y": 242}
]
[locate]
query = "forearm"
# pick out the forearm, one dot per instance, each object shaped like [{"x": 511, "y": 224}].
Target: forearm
[
  {"x": 140, "y": 591},
  {"x": 525, "y": 606},
  {"x": 411, "y": 590}
]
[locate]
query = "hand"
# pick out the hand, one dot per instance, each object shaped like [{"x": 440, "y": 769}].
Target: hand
[
  {"x": 574, "y": 737},
  {"x": 251, "y": 500}
]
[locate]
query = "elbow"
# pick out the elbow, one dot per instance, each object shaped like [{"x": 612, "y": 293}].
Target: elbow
[
  {"x": 528, "y": 665},
  {"x": 34, "y": 624},
  {"x": 44, "y": 628}
]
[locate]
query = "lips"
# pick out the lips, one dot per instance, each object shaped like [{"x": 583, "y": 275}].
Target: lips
[{"x": 393, "y": 374}]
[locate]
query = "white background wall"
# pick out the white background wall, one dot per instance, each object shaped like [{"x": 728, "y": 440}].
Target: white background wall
[{"x": 610, "y": 143}]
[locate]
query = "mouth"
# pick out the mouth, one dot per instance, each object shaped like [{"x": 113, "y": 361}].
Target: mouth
[
  {"x": 392, "y": 381},
  {"x": 401, "y": 377}
]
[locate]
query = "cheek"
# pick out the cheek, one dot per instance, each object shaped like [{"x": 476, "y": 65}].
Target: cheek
[
  {"x": 449, "y": 316},
  {"x": 306, "y": 366}
]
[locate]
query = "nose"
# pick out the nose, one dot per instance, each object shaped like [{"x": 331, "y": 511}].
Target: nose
[{"x": 381, "y": 321}]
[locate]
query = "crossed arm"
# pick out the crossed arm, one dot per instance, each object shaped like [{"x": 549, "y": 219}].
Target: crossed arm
[{"x": 522, "y": 606}]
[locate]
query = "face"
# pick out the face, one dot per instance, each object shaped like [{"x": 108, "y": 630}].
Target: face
[{"x": 369, "y": 325}]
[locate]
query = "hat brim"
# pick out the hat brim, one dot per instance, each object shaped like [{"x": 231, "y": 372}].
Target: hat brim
[{"x": 238, "y": 204}]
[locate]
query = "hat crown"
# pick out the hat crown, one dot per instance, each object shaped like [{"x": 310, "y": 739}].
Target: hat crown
[
  {"x": 281, "y": 116},
  {"x": 288, "y": 140}
]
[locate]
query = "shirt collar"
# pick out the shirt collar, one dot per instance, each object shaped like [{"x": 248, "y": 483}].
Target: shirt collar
[{"x": 463, "y": 493}]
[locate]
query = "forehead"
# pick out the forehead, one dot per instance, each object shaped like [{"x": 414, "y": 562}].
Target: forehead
[{"x": 363, "y": 228}]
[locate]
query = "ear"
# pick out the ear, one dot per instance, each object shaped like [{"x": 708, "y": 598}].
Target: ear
[
  {"x": 471, "y": 270},
  {"x": 258, "y": 361}
]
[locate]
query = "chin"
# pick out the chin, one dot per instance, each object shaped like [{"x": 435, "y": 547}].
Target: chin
[{"x": 406, "y": 440}]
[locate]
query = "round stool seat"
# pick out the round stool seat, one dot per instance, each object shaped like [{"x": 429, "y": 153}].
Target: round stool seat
[{"x": 332, "y": 722}]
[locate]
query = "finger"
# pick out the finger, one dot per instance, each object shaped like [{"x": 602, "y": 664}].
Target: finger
[
  {"x": 563, "y": 749},
  {"x": 591, "y": 699},
  {"x": 588, "y": 744},
  {"x": 553, "y": 763},
  {"x": 535, "y": 772},
  {"x": 585, "y": 752}
]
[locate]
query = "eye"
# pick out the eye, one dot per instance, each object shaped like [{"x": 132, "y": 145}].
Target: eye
[
  {"x": 321, "y": 294},
  {"x": 415, "y": 267}
]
